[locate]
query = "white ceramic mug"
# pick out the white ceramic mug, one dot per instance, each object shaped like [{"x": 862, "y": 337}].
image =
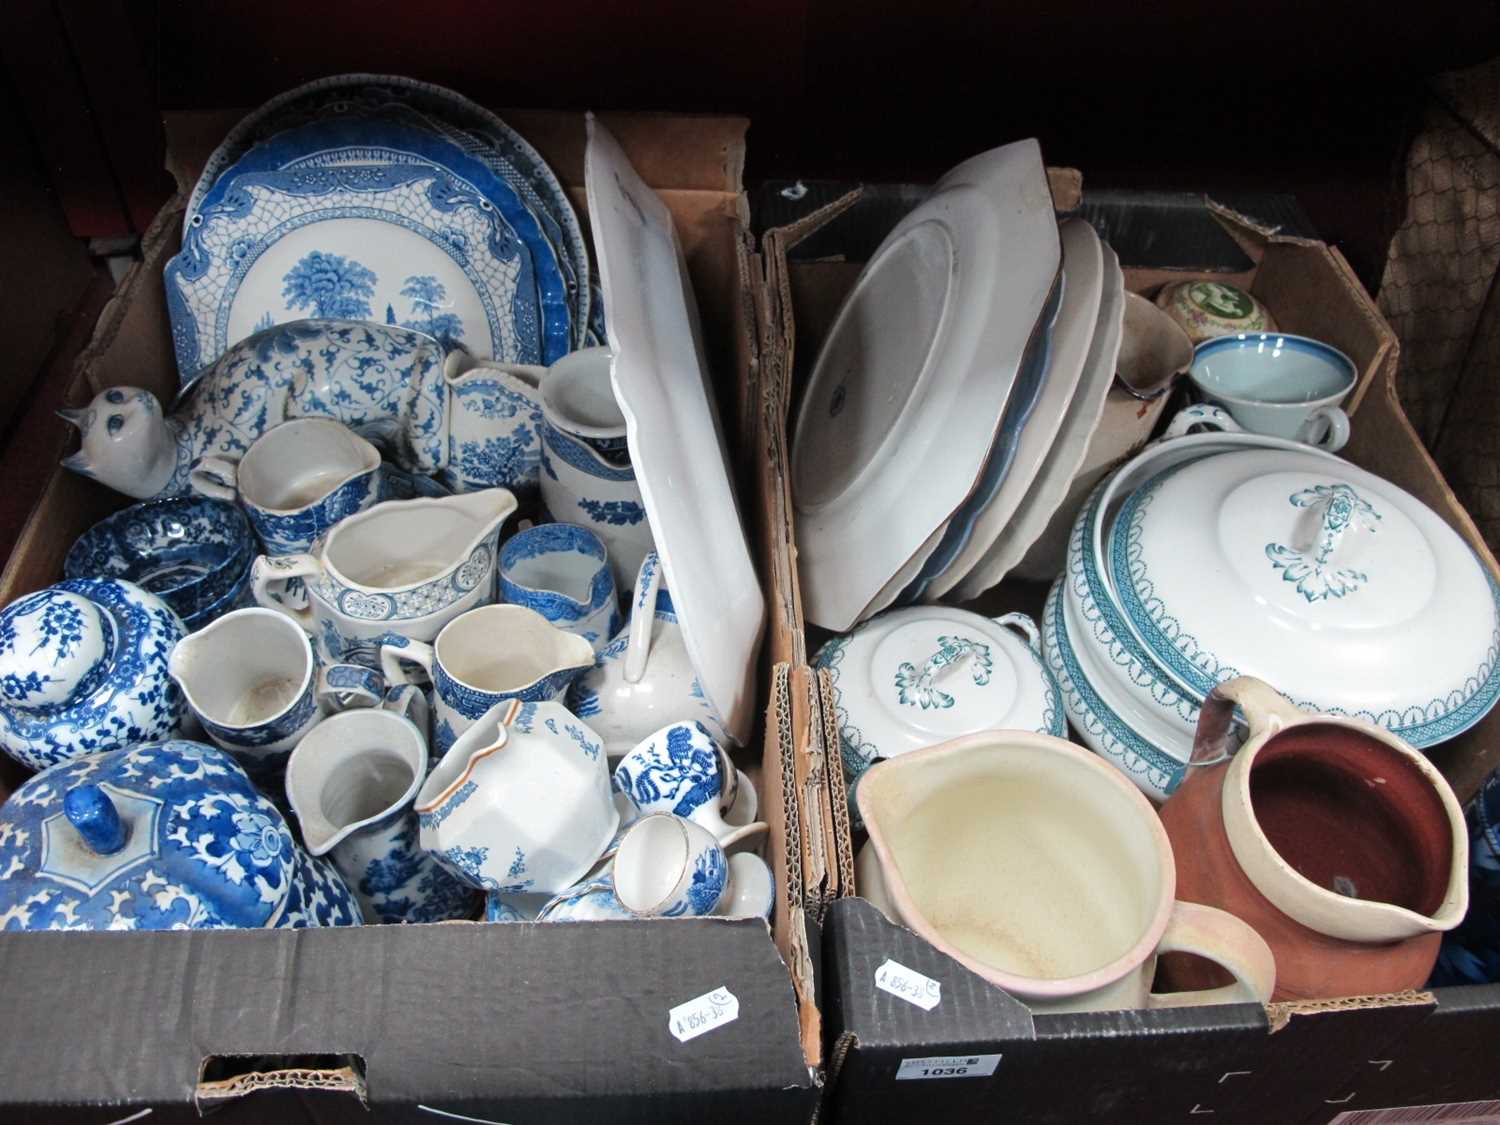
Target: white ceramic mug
[
  {"x": 1041, "y": 868},
  {"x": 1279, "y": 385},
  {"x": 296, "y": 481},
  {"x": 254, "y": 683}
]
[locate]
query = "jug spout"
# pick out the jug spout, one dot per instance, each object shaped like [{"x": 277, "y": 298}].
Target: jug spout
[{"x": 489, "y": 507}]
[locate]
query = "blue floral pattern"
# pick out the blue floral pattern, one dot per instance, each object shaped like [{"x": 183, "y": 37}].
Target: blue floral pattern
[
  {"x": 618, "y": 512},
  {"x": 480, "y": 235},
  {"x": 710, "y": 874},
  {"x": 678, "y": 774},
  {"x": 915, "y": 687},
  {"x": 495, "y": 436},
  {"x": 203, "y": 849},
  {"x": 125, "y": 697}
]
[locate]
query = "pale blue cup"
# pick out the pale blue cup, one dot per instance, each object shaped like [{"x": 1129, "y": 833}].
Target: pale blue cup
[{"x": 1279, "y": 385}]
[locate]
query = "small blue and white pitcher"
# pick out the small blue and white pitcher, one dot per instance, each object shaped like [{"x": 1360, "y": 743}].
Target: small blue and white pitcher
[{"x": 562, "y": 571}]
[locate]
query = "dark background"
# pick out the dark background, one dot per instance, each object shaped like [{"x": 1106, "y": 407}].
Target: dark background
[{"x": 1312, "y": 97}]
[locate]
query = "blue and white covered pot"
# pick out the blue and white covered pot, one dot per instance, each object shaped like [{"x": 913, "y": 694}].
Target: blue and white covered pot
[
  {"x": 163, "y": 835},
  {"x": 83, "y": 669}
]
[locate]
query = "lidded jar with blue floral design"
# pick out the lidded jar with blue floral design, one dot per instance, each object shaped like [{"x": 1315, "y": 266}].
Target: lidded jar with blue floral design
[
  {"x": 164, "y": 835},
  {"x": 83, "y": 669}
]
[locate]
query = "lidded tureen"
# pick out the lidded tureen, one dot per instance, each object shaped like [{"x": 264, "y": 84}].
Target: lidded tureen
[
  {"x": 1347, "y": 593},
  {"x": 83, "y": 668},
  {"x": 163, "y": 835},
  {"x": 915, "y": 677}
]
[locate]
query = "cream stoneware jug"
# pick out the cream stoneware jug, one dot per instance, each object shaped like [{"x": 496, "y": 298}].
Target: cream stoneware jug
[{"x": 1041, "y": 868}]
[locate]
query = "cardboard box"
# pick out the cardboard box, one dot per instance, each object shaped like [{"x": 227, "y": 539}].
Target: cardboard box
[
  {"x": 483, "y": 1022},
  {"x": 978, "y": 1053}
]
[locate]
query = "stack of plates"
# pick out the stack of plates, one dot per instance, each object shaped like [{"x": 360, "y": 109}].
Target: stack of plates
[
  {"x": 954, "y": 398},
  {"x": 380, "y": 198}
]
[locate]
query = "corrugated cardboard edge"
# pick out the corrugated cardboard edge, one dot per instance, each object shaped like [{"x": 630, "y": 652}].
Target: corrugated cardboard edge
[
  {"x": 789, "y": 928},
  {"x": 344, "y": 1079},
  {"x": 838, "y": 789},
  {"x": 1281, "y": 1012}
]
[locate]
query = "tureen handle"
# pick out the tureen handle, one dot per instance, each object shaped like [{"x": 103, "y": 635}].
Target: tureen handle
[
  {"x": 1023, "y": 624},
  {"x": 90, "y": 811},
  {"x": 1266, "y": 711},
  {"x": 276, "y": 571},
  {"x": 642, "y": 616},
  {"x": 1201, "y": 414}
]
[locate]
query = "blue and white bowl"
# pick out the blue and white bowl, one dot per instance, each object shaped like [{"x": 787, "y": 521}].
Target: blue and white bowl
[{"x": 190, "y": 551}]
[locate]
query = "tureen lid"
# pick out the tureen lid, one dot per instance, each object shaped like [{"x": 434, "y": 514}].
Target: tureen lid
[
  {"x": 922, "y": 675},
  {"x": 1345, "y": 592},
  {"x": 163, "y": 835}
]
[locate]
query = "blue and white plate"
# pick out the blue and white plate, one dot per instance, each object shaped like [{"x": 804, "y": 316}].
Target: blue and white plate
[
  {"x": 474, "y": 129},
  {"x": 429, "y": 240}
]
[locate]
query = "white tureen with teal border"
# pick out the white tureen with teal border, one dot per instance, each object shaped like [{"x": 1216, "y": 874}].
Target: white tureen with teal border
[
  {"x": 915, "y": 677},
  {"x": 1347, "y": 593}
]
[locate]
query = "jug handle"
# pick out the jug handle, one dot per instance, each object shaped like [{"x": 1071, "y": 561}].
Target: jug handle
[
  {"x": 1024, "y": 625},
  {"x": 1266, "y": 711},
  {"x": 216, "y": 478},
  {"x": 344, "y": 686},
  {"x": 278, "y": 570},
  {"x": 642, "y": 617},
  {"x": 397, "y": 651},
  {"x": 1226, "y": 941}
]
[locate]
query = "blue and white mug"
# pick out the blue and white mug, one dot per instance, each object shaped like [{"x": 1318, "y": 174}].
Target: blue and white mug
[
  {"x": 483, "y": 658},
  {"x": 586, "y": 476},
  {"x": 296, "y": 481},
  {"x": 252, "y": 680},
  {"x": 562, "y": 571}
]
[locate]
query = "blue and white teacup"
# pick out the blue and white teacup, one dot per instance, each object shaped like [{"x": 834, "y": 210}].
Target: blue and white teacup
[
  {"x": 483, "y": 658},
  {"x": 586, "y": 477},
  {"x": 254, "y": 683},
  {"x": 670, "y": 867},
  {"x": 562, "y": 571},
  {"x": 681, "y": 770},
  {"x": 296, "y": 481}
]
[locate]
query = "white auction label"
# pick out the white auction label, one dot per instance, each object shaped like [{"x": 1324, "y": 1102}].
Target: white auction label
[
  {"x": 910, "y": 985},
  {"x": 702, "y": 1014},
  {"x": 948, "y": 1066}
]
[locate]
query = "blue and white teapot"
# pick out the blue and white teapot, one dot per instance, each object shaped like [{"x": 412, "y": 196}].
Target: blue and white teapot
[
  {"x": 164, "y": 835},
  {"x": 83, "y": 669}
]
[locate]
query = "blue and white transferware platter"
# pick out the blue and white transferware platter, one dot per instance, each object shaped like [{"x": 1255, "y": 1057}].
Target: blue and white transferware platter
[
  {"x": 468, "y": 125},
  {"x": 162, "y": 835},
  {"x": 419, "y": 244}
]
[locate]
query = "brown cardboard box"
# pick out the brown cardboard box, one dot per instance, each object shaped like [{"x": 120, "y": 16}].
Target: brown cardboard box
[
  {"x": 1293, "y": 1062},
  {"x": 496, "y": 1022}
]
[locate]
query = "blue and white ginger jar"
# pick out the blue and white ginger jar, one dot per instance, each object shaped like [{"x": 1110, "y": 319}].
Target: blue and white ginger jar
[
  {"x": 160, "y": 836},
  {"x": 83, "y": 669}
]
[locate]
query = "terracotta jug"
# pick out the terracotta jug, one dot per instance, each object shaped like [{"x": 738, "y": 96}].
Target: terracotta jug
[{"x": 1336, "y": 841}]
